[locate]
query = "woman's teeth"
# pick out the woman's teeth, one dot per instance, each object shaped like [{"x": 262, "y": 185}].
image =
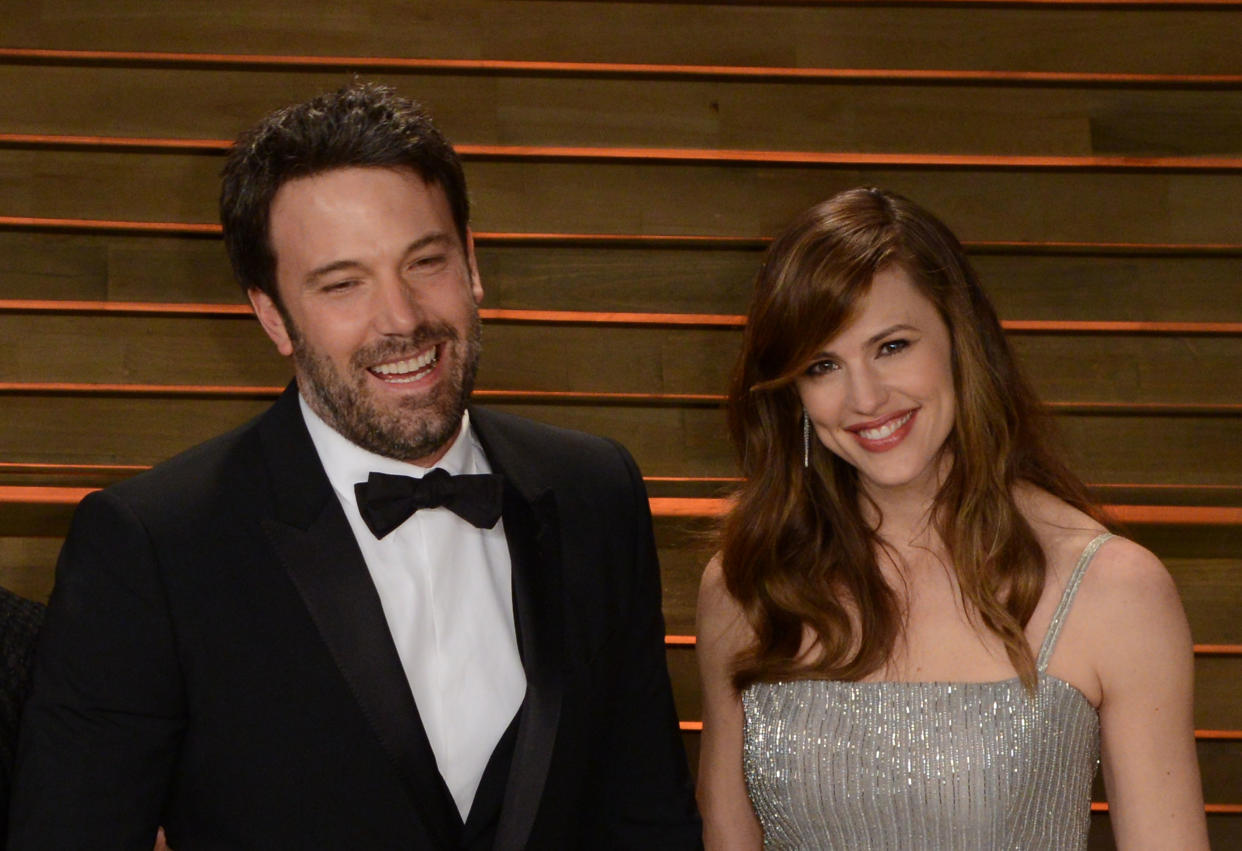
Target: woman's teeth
[{"x": 887, "y": 429}]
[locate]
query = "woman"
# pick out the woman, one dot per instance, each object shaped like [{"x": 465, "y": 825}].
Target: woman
[{"x": 887, "y": 646}]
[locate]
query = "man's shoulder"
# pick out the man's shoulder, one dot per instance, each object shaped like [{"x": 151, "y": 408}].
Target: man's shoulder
[
  {"x": 196, "y": 474},
  {"x": 535, "y": 440}
]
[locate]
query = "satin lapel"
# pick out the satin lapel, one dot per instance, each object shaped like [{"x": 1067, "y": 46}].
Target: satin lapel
[
  {"x": 532, "y": 528},
  {"x": 317, "y": 547}
]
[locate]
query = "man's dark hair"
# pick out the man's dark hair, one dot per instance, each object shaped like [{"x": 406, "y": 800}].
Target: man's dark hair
[{"x": 363, "y": 124}]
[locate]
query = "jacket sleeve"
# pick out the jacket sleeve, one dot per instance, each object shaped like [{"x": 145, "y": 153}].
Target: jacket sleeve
[
  {"x": 648, "y": 799},
  {"x": 101, "y": 731}
]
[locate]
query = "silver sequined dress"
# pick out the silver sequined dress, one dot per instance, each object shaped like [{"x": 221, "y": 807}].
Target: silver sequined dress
[{"x": 907, "y": 765}]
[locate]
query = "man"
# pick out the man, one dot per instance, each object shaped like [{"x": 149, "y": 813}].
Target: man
[{"x": 257, "y": 645}]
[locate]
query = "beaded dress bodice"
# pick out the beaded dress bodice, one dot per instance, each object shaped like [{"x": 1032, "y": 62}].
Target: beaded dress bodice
[{"x": 925, "y": 765}]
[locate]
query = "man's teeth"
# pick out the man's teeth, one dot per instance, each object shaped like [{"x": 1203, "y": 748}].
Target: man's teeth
[
  {"x": 410, "y": 369},
  {"x": 887, "y": 429}
]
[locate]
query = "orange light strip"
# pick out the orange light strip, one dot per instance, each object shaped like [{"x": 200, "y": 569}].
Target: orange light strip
[
  {"x": 71, "y": 469},
  {"x": 649, "y": 240},
  {"x": 17, "y": 305},
  {"x": 1175, "y": 515},
  {"x": 103, "y": 389},
  {"x": 23, "y": 467},
  {"x": 734, "y": 156},
  {"x": 123, "y": 142},
  {"x": 1210, "y": 809},
  {"x": 38, "y": 495},
  {"x": 1218, "y": 649},
  {"x": 1179, "y": 515},
  {"x": 614, "y": 69},
  {"x": 93, "y": 225},
  {"x": 583, "y": 317}
]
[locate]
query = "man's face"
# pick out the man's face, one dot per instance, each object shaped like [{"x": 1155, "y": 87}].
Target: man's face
[{"x": 380, "y": 307}]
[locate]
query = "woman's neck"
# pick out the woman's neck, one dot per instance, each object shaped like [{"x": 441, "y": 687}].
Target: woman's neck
[{"x": 903, "y": 514}]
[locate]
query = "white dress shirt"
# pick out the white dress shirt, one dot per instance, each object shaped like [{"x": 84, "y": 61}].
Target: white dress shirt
[{"x": 447, "y": 593}]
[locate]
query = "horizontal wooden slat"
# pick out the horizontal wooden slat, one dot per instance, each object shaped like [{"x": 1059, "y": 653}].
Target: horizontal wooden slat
[
  {"x": 478, "y": 102},
  {"x": 710, "y": 199},
  {"x": 661, "y": 273},
  {"x": 978, "y": 36},
  {"x": 667, "y": 439},
  {"x": 1088, "y": 369},
  {"x": 591, "y": 318}
]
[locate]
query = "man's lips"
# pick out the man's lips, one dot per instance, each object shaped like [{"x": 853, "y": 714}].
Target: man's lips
[
  {"x": 408, "y": 369},
  {"x": 882, "y": 434}
]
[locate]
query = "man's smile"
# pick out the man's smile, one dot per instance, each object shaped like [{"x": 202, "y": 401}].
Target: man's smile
[{"x": 409, "y": 369}]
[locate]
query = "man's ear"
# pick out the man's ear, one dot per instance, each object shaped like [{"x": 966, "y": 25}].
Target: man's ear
[
  {"x": 271, "y": 319},
  {"x": 476, "y": 283}
]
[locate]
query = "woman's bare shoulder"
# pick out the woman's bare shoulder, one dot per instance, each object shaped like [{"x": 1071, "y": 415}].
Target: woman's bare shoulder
[
  {"x": 720, "y": 619},
  {"x": 1063, "y": 530}
]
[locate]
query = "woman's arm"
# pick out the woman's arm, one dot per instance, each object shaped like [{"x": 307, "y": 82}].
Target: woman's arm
[
  {"x": 729, "y": 822},
  {"x": 1146, "y": 669}
]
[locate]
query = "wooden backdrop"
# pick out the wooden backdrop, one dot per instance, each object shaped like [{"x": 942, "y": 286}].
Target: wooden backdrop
[{"x": 627, "y": 163}]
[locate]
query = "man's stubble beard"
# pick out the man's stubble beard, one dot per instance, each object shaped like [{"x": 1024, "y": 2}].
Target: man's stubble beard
[{"x": 418, "y": 427}]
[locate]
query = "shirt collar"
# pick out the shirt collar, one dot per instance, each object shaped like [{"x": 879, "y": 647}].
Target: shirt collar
[{"x": 347, "y": 463}]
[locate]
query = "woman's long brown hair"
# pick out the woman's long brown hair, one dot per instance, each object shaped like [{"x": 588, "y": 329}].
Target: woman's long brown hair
[{"x": 796, "y": 549}]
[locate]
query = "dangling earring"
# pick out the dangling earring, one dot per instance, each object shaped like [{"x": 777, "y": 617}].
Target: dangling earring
[{"x": 806, "y": 440}]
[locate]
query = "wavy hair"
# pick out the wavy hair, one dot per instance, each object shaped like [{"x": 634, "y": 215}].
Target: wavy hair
[{"x": 796, "y": 549}]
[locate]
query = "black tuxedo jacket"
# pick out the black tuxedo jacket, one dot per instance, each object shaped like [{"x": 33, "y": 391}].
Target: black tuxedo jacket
[{"x": 215, "y": 659}]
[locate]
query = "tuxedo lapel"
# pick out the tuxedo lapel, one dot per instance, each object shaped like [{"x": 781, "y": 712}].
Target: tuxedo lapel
[
  {"x": 313, "y": 539},
  {"x": 532, "y": 529}
]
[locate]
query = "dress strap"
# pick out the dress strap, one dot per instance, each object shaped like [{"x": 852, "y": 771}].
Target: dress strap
[{"x": 1067, "y": 600}]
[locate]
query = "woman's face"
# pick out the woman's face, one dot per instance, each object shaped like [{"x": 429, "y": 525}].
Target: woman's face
[{"x": 880, "y": 393}]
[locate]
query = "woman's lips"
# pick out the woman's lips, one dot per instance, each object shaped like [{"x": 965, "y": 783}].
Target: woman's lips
[{"x": 883, "y": 434}]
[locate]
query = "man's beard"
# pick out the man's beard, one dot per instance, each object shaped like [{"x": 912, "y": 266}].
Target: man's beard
[{"x": 415, "y": 428}]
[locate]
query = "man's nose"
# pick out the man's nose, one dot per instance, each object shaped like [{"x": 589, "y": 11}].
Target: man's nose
[{"x": 396, "y": 307}]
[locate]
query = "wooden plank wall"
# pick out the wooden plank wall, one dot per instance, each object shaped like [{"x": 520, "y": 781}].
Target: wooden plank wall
[{"x": 627, "y": 163}]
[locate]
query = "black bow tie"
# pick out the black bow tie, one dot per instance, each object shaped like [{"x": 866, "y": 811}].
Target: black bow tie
[{"x": 387, "y": 501}]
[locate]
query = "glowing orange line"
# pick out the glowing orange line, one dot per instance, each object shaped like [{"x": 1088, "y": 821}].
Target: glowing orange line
[
  {"x": 38, "y": 495},
  {"x": 700, "y": 155},
  {"x": 606, "y": 239},
  {"x": 584, "y": 317},
  {"x": 773, "y": 73},
  {"x": 1181, "y": 515}
]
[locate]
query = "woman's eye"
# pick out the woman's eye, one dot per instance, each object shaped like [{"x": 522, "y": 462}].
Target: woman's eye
[
  {"x": 893, "y": 346},
  {"x": 822, "y": 367}
]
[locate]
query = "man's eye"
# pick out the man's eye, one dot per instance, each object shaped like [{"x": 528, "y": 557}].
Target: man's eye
[
  {"x": 339, "y": 286},
  {"x": 430, "y": 261}
]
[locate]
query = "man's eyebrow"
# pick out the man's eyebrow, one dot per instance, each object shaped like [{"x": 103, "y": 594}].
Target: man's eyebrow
[{"x": 436, "y": 237}]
